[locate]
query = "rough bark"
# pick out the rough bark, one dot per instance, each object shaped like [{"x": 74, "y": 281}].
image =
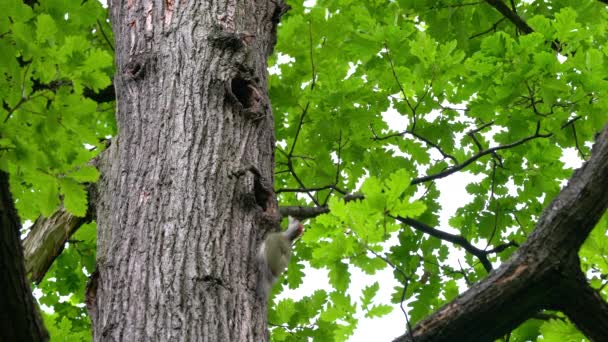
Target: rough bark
[
  {"x": 47, "y": 239},
  {"x": 185, "y": 193},
  {"x": 544, "y": 273},
  {"x": 19, "y": 316},
  {"x": 585, "y": 307}
]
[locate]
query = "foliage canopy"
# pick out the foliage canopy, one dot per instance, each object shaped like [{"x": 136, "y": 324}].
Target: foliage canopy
[{"x": 374, "y": 101}]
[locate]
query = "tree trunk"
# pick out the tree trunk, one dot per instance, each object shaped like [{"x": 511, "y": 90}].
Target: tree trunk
[
  {"x": 186, "y": 189},
  {"x": 19, "y": 316}
]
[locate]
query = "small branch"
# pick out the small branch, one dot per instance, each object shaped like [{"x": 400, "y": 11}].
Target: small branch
[
  {"x": 326, "y": 187},
  {"x": 502, "y": 247},
  {"x": 578, "y": 148},
  {"x": 302, "y": 212},
  {"x": 337, "y": 179},
  {"x": 407, "y": 101},
  {"x": 104, "y": 35},
  {"x": 491, "y": 29},
  {"x": 456, "y": 5},
  {"x": 455, "y": 239},
  {"x": 12, "y": 110},
  {"x": 437, "y": 147},
  {"x": 480, "y": 128},
  {"x": 477, "y": 143},
  {"x": 419, "y": 137},
  {"x": 302, "y": 116},
  {"x": 295, "y": 138},
  {"x": 492, "y": 200},
  {"x": 406, "y": 281},
  {"x": 295, "y": 176},
  {"x": 464, "y": 274},
  {"x": 312, "y": 60},
  {"x": 480, "y": 154}
]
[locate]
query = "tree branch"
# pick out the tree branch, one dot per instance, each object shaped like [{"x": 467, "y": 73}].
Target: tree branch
[
  {"x": 480, "y": 154},
  {"x": 455, "y": 239},
  {"x": 511, "y": 15},
  {"x": 47, "y": 238},
  {"x": 517, "y": 20},
  {"x": 48, "y": 235}
]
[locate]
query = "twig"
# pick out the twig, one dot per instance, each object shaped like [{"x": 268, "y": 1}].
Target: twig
[
  {"x": 406, "y": 281},
  {"x": 325, "y": 187},
  {"x": 407, "y": 101},
  {"x": 491, "y": 29},
  {"x": 480, "y": 154},
  {"x": 418, "y": 136},
  {"x": 492, "y": 200},
  {"x": 104, "y": 35},
  {"x": 578, "y": 148}
]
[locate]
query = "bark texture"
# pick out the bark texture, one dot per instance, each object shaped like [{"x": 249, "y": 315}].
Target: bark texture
[
  {"x": 186, "y": 188},
  {"x": 47, "y": 239},
  {"x": 19, "y": 316}
]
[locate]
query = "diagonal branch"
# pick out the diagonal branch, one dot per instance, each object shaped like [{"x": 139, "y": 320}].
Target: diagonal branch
[
  {"x": 517, "y": 20},
  {"x": 419, "y": 137},
  {"x": 455, "y": 239},
  {"x": 480, "y": 154},
  {"x": 511, "y": 15},
  {"x": 47, "y": 238}
]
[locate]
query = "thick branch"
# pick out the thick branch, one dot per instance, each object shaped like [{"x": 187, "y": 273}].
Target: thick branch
[
  {"x": 48, "y": 235},
  {"x": 511, "y": 15},
  {"x": 46, "y": 241}
]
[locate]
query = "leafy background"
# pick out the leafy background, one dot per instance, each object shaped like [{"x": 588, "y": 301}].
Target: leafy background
[{"x": 369, "y": 98}]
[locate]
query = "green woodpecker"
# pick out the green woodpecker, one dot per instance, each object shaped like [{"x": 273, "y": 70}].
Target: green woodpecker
[{"x": 274, "y": 254}]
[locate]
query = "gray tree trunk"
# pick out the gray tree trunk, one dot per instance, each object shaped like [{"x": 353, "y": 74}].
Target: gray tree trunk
[{"x": 186, "y": 190}]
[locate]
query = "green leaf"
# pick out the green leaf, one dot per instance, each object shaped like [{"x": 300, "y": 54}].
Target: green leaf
[
  {"x": 339, "y": 277},
  {"x": 369, "y": 292},
  {"x": 284, "y": 310},
  {"x": 75, "y": 196},
  {"x": 558, "y": 331},
  {"x": 379, "y": 310},
  {"x": 85, "y": 173},
  {"x": 45, "y": 28}
]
